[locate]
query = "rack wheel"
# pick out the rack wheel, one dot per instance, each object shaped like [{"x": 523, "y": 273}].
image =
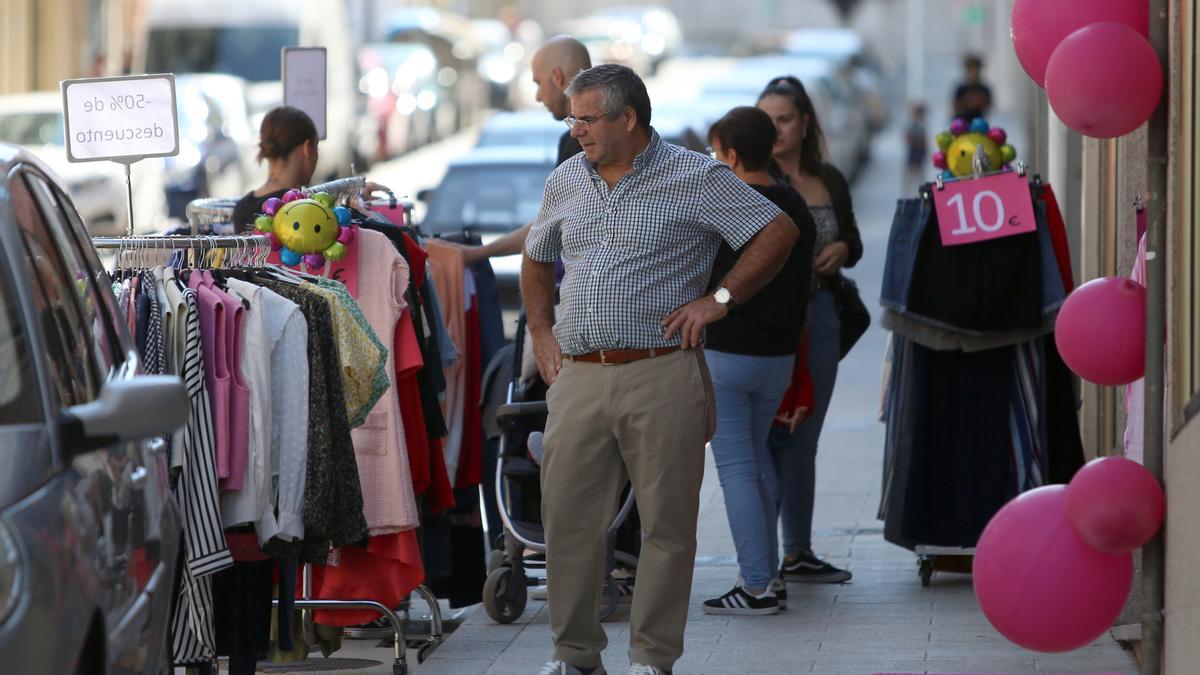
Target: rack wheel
[
  {"x": 504, "y": 601},
  {"x": 425, "y": 650},
  {"x": 612, "y": 596},
  {"x": 925, "y": 569},
  {"x": 399, "y": 667},
  {"x": 495, "y": 558}
]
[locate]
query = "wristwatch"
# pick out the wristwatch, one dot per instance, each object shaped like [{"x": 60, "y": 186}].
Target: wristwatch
[{"x": 724, "y": 298}]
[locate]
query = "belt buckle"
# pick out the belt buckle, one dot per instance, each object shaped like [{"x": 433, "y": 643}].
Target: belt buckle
[{"x": 603, "y": 358}]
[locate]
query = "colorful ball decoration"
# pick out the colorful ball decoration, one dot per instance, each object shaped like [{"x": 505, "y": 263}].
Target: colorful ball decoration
[
  {"x": 1104, "y": 80},
  {"x": 309, "y": 229},
  {"x": 1100, "y": 331},
  {"x": 958, "y": 147},
  {"x": 1039, "y": 583},
  {"x": 1115, "y": 504},
  {"x": 1038, "y": 26}
]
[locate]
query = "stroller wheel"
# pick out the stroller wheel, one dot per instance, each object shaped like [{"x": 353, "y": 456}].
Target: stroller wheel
[
  {"x": 503, "y": 597},
  {"x": 612, "y": 598}
]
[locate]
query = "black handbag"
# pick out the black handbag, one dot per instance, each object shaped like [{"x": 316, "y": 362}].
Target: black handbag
[{"x": 851, "y": 311}]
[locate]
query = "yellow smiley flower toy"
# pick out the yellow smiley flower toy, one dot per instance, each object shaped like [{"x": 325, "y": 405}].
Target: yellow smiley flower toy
[
  {"x": 960, "y": 147},
  {"x": 309, "y": 229}
]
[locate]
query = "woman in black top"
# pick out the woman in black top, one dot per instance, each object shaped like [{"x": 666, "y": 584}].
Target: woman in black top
[
  {"x": 750, "y": 354},
  {"x": 799, "y": 158},
  {"x": 288, "y": 141}
]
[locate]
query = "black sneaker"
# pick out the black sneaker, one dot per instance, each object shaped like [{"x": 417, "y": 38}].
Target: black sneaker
[
  {"x": 780, "y": 589},
  {"x": 738, "y": 601},
  {"x": 810, "y": 569}
]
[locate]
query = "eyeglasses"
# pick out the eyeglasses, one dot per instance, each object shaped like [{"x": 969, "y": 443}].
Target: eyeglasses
[
  {"x": 711, "y": 153},
  {"x": 571, "y": 120}
]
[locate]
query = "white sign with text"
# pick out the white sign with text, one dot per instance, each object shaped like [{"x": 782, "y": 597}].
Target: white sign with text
[
  {"x": 122, "y": 119},
  {"x": 304, "y": 83}
]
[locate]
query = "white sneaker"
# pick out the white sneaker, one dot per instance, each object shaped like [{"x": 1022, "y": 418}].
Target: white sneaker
[
  {"x": 539, "y": 592},
  {"x": 557, "y": 667}
]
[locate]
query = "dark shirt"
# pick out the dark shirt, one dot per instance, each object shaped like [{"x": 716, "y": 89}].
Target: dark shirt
[
  {"x": 568, "y": 147},
  {"x": 250, "y": 207},
  {"x": 770, "y": 323},
  {"x": 971, "y": 100}
]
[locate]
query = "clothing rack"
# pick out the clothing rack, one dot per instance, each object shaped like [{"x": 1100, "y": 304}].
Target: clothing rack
[
  {"x": 341, "y": 189},
  {"x": 260, "y": 245},
  {"x": 207, "y": 211}
]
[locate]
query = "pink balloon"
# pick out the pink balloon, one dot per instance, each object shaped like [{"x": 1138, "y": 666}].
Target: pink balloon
[
  {"x": 1115, "y": 504},
  {"x": 1104, "y": 80},
  {"x": 1039, "y": 584},
  {"x": 1100, "y": 331},
  {"x": 1038, "y": 26}
]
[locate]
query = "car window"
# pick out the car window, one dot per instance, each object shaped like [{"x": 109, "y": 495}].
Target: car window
[
  {"x": 78, "y": 230},
  {"x": 18, "y": 404},
  {"x": 486, "y": 198},
  {"x": 67, "y": 338},
  {"x": 250, "y": 52},
  {"x": 83, "y": 271},
  {"x": 32, "y": 128}
]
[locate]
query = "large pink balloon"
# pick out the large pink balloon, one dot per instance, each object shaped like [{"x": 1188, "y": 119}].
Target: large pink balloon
[
  {"x": 1104, "y": 80},
  {"x": 1038, "y": 26},
  {"x": 1101, "y": 331},
  {"x": 1039, "y": 584},
  {"x": 1115, "y": 504}
]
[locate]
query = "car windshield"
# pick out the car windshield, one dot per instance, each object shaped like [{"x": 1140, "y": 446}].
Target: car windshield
[
  {"x": 250, "y": 52},
  {"x": 17, "y": 405},
  {"x": 487, "y": 198},
  {"x": 32, "y": 128}
]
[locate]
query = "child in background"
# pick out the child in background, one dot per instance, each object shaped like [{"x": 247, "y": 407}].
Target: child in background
[{"x": 916, "y": 140}]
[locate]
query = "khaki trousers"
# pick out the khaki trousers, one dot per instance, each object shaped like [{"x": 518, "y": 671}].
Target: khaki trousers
[{"x": 647, "y": 422}]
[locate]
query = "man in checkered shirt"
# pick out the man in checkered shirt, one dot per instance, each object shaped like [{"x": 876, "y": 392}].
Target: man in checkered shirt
[{"x": 637, "y": 223}]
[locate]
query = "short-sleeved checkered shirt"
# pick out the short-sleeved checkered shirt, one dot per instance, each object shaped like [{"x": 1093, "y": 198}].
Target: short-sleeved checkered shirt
[{"x": 638, "y": 252}]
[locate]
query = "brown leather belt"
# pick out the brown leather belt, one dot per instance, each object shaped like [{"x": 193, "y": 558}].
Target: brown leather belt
[{"x": 616, "y": 357}]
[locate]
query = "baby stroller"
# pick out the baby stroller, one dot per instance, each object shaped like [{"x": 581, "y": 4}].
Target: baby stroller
[{"x": 522, "y": 546}]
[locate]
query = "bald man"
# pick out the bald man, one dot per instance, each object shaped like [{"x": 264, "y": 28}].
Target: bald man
[{"x": 554, "y": 65}]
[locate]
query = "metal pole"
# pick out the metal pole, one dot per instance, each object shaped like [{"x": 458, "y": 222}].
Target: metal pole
[
  {"x": 129, "y": 194},
  {"x": 1158, "y": 146}
]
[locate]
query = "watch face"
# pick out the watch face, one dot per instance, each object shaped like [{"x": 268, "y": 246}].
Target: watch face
[{"x": 722, "y": 296}]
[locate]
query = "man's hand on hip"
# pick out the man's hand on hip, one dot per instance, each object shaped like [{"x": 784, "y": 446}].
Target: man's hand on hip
[
  {"x": 548, "y": 355},
  {"x": 691, "y": 319}
]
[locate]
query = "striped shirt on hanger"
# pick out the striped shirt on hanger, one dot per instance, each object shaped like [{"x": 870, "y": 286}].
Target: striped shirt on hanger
[{"x": 196, "y": 491}]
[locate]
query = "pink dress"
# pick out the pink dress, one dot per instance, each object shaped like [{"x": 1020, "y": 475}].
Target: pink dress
[
  {"x": 214, "y": 337},
  {"x": 389, "y": 503}
]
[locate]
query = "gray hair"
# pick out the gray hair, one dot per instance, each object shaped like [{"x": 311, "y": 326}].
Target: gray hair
[{"x": 619, "y": 88}]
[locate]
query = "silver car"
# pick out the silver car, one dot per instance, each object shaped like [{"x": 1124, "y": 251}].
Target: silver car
[{"x": 89, "y": 532}]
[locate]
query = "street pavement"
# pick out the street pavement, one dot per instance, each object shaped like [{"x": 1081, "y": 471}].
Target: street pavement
[{"x": 883, "y": 621}]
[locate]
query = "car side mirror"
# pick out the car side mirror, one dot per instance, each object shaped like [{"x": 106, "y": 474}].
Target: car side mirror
[
  {"x": 126, "y": 410},
  {"x": 424, "y": 195}
]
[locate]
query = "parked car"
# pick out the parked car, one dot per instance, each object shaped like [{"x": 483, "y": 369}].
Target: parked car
[
  {"x": 457, "y": 50},
  {"x": 490, "y": 192},
  {"x": 659, "y": 36},
  {"x": 89, "y": 533},
  {"x": 532, "y": 128},
  {"x": 404, "y": 97},
  {"x": 35, "y": 123},
  {"x": 842, "y": 117},
  {"x": 849, "y": 50}
]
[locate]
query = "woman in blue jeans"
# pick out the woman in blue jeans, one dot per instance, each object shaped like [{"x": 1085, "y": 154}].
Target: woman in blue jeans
[
  {"x": 750, "y": 355},
  {"x": 800, "y": 162}
]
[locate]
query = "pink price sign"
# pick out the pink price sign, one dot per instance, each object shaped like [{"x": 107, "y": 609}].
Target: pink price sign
[{"x": 985, "y": 208}]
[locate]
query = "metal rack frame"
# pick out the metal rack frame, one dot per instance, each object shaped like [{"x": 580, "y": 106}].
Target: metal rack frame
[{"x": 259, "y": 244}]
